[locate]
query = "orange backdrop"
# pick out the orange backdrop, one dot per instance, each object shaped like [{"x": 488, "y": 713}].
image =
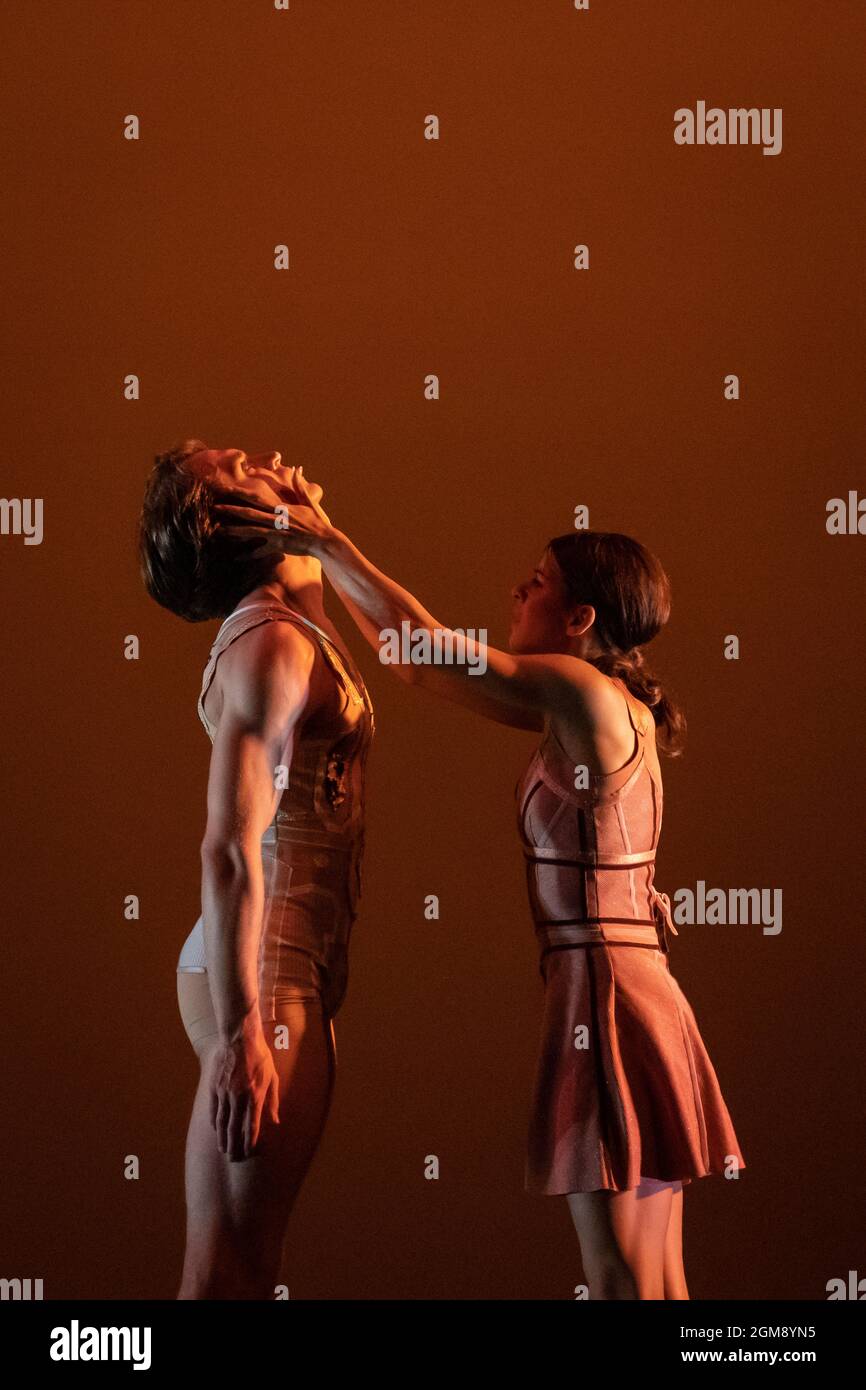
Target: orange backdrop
[{"x": 155, "y": 257}]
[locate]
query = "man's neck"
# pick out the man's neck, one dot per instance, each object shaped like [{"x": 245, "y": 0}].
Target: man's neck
[{"x": 296, "y": 582}]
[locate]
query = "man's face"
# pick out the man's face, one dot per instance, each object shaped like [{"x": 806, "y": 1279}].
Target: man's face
[{"x": 248, "y": 474}]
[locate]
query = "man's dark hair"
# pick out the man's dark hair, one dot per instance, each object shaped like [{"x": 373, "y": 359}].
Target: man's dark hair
[{"x": 187, "y": 564}]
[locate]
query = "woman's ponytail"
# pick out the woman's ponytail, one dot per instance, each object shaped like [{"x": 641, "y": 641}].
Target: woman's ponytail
[{"x": 630, "y": 592}]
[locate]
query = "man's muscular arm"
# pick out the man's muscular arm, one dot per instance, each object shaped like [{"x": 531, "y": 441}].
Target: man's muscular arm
[{"x": 264, "y": 678}]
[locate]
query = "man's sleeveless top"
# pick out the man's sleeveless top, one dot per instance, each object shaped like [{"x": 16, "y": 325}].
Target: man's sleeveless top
[
  {"x": 590, "y": 851},
  {"x": 312, "y": 850},
  {"x": 323, "y": 801}
]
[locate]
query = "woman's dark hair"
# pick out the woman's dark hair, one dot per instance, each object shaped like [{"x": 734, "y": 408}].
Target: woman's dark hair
[
  {"x": 631, "y": 595},
  {"x": 187, "y": 565}
]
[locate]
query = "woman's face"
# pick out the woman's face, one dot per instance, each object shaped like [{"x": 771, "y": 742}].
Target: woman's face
[
  {"x": 539, "y": 620},
  {"x": 248, "y": 474}
]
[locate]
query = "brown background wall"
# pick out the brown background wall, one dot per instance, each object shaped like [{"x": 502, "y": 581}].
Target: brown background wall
[{"x": 558, "y": 388}]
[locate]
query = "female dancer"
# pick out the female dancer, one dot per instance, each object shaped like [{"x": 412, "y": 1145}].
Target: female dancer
[
  {"x": 627, "y": 1107},
  {"x": 264, "y": 970}
]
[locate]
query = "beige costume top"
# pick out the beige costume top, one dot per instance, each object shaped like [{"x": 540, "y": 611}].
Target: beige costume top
[{"x": 312, "y": 850}]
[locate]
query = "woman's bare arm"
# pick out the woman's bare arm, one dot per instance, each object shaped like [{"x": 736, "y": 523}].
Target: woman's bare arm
[
  {"x": 512, "y": 689},
  {"x": 455, "y": 691},
  {"x": 496, "y": 684}
]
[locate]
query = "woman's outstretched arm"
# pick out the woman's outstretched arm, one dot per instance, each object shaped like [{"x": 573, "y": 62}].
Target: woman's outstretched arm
[
  {"x": 458, "y": 692},
  {"x": 514, "y": 689}
]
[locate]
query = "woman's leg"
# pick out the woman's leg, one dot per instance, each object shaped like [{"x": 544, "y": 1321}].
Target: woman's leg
[
  {"x": 237, "y": 1212},
  {"x": 675, "y": 1274},
  {"x": 622, "y": 1240}
]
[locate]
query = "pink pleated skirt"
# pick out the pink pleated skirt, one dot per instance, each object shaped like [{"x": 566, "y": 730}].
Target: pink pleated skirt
[{"x": 624, "y": 1088}]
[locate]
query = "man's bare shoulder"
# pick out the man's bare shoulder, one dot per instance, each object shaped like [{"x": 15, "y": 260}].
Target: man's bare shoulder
[{"x": 267, "y": 668}]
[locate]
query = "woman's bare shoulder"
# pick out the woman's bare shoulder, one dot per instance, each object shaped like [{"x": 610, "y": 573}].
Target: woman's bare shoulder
[{"x": 599, "y": 732}]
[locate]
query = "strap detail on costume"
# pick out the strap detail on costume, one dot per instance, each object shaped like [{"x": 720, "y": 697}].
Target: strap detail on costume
[
  {"x": 638, "y": 728},
  {"x": 582, "y": 931},
  {"x": 664, "y": 914},
  {"x": 257, "y": 613},
  {"x": 334, "y": 658},
  {"x": 588, "y": 856},
  {"x": 597, "y": 779},
  {"x": 637, "y": 933},
  {"x": 224, "y": 638}
]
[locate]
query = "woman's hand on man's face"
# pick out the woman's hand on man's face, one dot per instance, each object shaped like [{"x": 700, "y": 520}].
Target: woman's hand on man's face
[{"x": 292, "y": 527}]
